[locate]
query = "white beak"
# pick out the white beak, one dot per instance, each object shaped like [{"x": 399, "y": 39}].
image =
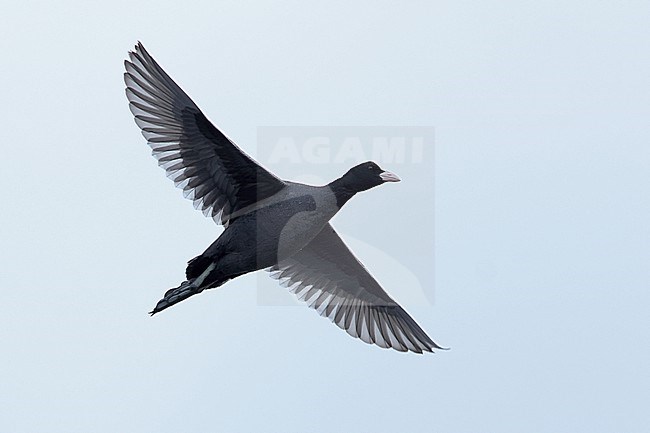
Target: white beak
[{"x": 387, "y": 176}]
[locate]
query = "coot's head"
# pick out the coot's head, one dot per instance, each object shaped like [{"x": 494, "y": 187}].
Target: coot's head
[{"x": 368, "y": 175}]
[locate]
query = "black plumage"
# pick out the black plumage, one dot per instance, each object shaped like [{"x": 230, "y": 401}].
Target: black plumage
[{"x": 269, "y": 223}]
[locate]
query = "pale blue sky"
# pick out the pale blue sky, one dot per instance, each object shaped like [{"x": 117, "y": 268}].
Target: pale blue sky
[{"x": 542, "y": 162}]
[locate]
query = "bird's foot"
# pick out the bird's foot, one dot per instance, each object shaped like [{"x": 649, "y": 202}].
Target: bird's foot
[{"x": 175, "y": 295}]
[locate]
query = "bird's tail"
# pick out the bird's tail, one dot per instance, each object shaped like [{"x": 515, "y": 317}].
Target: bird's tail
[{"x": 176, "y": 295}]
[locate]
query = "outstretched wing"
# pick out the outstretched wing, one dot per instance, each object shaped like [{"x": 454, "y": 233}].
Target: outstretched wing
[
  {"x": 327, "y": 276},
  {"x": 200, "y": 159}
]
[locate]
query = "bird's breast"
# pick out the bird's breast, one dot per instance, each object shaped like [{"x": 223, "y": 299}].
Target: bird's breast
[{"x": 289, "y": 225}]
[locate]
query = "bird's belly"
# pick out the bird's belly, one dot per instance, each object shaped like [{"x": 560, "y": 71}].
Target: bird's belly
[
  {"x": 263, "y": 237},
  {"x": 275, "y": 242}
]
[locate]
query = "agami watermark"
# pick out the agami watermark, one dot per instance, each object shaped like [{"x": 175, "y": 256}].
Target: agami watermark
[{"x": 409, "y": 151}]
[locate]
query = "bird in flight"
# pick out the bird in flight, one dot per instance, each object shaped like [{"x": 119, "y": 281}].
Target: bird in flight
[{"x": 270, "y": 223}]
